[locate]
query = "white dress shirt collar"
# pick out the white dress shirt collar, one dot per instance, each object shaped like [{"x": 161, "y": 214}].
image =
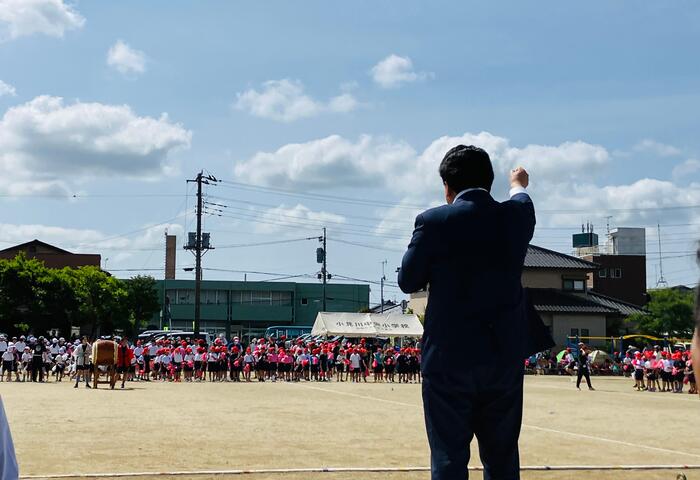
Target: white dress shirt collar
[{"x": 468, "y": 190}]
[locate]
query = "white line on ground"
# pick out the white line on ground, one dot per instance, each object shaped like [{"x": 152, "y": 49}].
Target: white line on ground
[
  {"x": 653, "y": 395},
  {"x": 533, "y": 427},
  {"x": 287, "y": 471}
]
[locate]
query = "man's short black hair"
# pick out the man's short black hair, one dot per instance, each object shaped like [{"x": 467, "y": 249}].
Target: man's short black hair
[{"x": 467, "y": 167}]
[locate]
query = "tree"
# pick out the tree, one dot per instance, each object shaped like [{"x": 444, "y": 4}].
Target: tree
[
  {"x": 670, "y": 313},
  {"x": 102, "y": 301},
  {"x": 142, "y": 300}
]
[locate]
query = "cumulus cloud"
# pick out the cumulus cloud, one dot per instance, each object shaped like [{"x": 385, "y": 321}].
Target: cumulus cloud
[
  {"x": 27, "y": 17},
  {"x": 370, "y": 161},
  {"x": 688, "y": 169},
  {"x": 638, "y": 202},
  {"x": 393, "y": 71},
  {"x": 657, "y": 148},
  {"x": 327, "y": 163},
  {"x": 126, "y": 60},
  {"x": 7, "y": 89},
  {"x": 89, "y": 240},
  {"x": 47, "y": 143},
  {"x": 285, "y": 101},
  {"x": 274, "y": 219}
]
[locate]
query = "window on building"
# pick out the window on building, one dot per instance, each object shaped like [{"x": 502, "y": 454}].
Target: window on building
[
  {"x": 261, "y": 297},
  {"x": 172, "y": 295},
  {"x": 585, "y": 332},
  {"x": 304, "y": 301},
  {"x": 245, "y": 297},
  {"x": 208, "y": 297},
  {"x": 616, "y": 273},
  {"x": 282, "y": 299},
  {"x": 574, "y": 285},
  {"x": 574, "y": 332},
  {"x": 603, "y": 273},
  {"x": 185, "y": 297}
]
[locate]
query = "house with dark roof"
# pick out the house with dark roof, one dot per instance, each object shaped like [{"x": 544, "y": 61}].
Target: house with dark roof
[
  {"x": 51, "y": 256},
  {"x": 557, "y": 285}
]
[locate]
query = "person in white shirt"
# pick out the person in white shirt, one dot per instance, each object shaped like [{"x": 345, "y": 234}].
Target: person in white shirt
[
  {"x": 666, "y": 373},
  {"x": 20, "y": 345},
  {"x": 8, "y": 461},
  {"x": 8, "y": 363},
  {"x": 26, "y": 363},
  {"x": 3, "y": 344},
  {"x": 61, "y": 360},
  {"x": 82, "y": 363},
  {"x": 165, "y": 360},
  {"x": 355, "y": 368}
]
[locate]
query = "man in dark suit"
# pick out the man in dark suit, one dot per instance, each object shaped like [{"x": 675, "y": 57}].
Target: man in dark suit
[{"x": 470, "y": 254}]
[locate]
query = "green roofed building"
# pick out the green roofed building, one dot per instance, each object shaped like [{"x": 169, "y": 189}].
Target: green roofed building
[{"x": 237, "y": 308}]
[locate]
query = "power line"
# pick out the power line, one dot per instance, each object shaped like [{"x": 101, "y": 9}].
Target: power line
[{"x": 260, "y": 244}]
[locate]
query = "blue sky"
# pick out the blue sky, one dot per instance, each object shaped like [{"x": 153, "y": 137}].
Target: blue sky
[{"x": 356, "y": 99}]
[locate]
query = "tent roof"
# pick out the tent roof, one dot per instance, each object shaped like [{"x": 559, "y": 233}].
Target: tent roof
[{"x": 367, "y": 325}]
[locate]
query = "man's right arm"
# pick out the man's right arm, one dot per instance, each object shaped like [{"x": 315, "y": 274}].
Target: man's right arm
[{"x": 519, "y": 181}]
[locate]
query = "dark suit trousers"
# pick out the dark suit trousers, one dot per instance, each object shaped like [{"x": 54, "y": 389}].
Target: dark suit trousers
[{"x": 454, "y": 414}]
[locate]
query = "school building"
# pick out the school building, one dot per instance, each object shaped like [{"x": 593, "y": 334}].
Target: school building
[{"x": 238, "y": 308}]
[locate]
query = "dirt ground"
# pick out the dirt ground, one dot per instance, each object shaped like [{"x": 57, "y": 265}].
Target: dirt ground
[{"x": 156, "y": 427}]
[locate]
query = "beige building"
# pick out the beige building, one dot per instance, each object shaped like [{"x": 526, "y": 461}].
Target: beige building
[{"x": 557, "y": 286}]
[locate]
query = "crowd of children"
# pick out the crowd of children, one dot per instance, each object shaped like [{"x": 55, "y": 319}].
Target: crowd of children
[
  {"x": 661, "y": 371},
  {"x": 293, "y": 360},
  {"x": 39, "y": 360}
]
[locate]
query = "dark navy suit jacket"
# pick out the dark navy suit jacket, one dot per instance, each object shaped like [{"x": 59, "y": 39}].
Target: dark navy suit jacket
[{"x": 470, "y": 255}]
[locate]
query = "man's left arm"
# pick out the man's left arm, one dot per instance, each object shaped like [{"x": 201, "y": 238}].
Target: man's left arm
[{"x": 413, "y": 275}]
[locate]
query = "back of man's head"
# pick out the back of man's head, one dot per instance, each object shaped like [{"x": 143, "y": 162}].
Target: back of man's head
[{"x": 467, "y": 167}]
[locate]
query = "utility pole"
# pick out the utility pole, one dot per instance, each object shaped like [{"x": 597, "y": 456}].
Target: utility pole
[
  {"x": 201, "y": 179},
  {"x": 321, "y": 259},
  {"x": 661, "y": 281},
  {"x": 325, "y": 269},
  {"x": 381, "y": 308}
]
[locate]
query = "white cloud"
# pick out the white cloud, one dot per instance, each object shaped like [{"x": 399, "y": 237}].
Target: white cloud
[
  {"x": 688, "y": 169},
  {"x": 126, "y": 60},
  {"x": 285, "y": 101},
  {"x": 274, "y": 219},
  {"x": 7, "y": 89},
  {"x": 46, "y": 143},
  {"x": 26, "y": 17},
  {"x": 89, "y": 240},
  {"x": 657, "y": 148},
  {"x": 637, "y": 202},
  {"x": 327, "y": 163},
  {"x": 393, "y": 71},
  {"x": 376, "y": 161}
]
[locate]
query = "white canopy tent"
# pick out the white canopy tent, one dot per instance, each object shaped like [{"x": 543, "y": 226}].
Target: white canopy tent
[{"x": 367, "y": 325}]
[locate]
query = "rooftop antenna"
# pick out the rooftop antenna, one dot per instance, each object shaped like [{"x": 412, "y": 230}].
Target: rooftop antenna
[{"x": 661, "y": 282}]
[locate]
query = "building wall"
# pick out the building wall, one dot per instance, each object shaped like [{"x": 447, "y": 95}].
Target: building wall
[
  {"x": 245, "y": 306},
  {"x": 549, "y": 278},
  {"x": 631, "y": 287},
  {"x": 418, "y": 302},
  {"x": 55, "y": 259},
  {"x": 562, "y": 324}
]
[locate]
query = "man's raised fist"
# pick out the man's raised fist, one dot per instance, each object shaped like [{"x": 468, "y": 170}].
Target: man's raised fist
[{"x": 519, "y": 177}]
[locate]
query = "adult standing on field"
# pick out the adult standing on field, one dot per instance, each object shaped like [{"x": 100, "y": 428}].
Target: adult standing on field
[
  {"x": 583, "y": 366},
  {"x": 470, "y": 253}
]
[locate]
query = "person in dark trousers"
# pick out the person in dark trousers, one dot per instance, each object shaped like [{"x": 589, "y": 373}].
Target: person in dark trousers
[
  {"x": 469, "y": 254},
  {"x": 38, "y": 360},
  {"x": 583, "y": 368}
]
